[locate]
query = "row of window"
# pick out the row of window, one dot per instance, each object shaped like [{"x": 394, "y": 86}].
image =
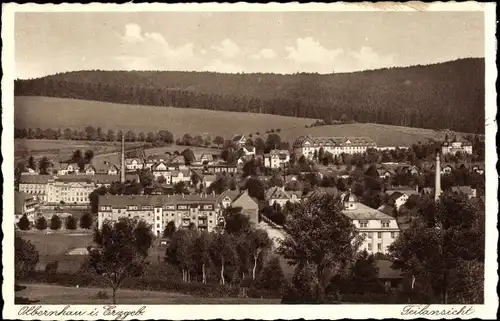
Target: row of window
[
  {"x": 379, "y": 235},
  {"x": 384, "y": 223}
]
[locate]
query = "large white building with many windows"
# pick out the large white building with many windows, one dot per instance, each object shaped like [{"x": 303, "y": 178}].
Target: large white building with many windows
[
  {"x": 378, "y": 229},
  {"x": 202, "y": 210},
  {"x": 307, "y": 145}
]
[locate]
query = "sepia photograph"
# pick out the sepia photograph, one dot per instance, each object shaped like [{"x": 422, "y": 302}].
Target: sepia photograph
[{"x": 229, "y": 157}]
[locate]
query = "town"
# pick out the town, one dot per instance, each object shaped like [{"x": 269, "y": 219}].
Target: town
[{"x": 381, "y": 189}]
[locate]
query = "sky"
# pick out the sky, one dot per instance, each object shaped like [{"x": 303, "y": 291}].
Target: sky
[{"x": 230, "y": 42}]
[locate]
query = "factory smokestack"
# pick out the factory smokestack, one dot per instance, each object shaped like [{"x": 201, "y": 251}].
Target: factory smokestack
[
  {"x": 122, "y": 160},
  {"x": 437, "y": 187}
]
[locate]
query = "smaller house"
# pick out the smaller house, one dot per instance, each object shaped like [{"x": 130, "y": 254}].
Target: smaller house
[
  {"x": 133, "y": 164},
  {"x": 239, "y": 140},
  {"x": 467, "y": 190},
  {"x": 277, "y": 195},
  {"x": 391, "y": 278},
  {"x": 161, "y": 170},
  {"x": 89, "y": 169},
  {"x": 385, "y": 173},
  {"x": 180, "y": 176},
  {"x": 249, "y": 206},
  {"x": 248, "y": 150},
  {"x": 66, "y": 168},
  {"x": 227, "y": 197},
  {"x": 397, "y": 199},
  {"x": 277, "y": 158}
]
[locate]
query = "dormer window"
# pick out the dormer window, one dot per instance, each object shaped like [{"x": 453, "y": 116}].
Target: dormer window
[
  {"x": 363, "y": 223},
  {"x": 386, "y": 223}
]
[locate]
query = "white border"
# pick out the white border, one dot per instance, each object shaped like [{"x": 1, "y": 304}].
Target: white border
[{"x": 266, "y": 312}]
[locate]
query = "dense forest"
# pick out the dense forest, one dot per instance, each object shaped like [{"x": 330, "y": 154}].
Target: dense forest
[{"x": 447, "y": 95}]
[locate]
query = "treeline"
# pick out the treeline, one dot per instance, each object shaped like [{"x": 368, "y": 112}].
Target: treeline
[{"x": 445, "y": 95}]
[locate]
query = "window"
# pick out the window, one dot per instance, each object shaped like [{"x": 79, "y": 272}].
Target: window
[
  {"x": 379, "y": 247},
  {"x": 158, "y": 225},
  {"x": 379, "y": 235},
  {"x": 385, "y": 223},
  {"x": 158, "y": 218},
  {"x": 394, "y": 235},
  {"x": 369, "y": 246},
  {"x": 363, "y": 224},
  {"x": 370, "y": 236}
]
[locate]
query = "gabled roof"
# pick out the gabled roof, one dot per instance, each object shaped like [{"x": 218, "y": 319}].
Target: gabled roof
[
  {"x": 34, "y": 179},
  {"x": 363, "y": 212},
  {"x": 393, "y": 197},
  {"x": 238, "y": 138},
  {"x": 232, "y": 194},
  {"x": 385, "y": 270},
  {"x": 408, "y": 190},
  {"x": 276, "y": 193}
]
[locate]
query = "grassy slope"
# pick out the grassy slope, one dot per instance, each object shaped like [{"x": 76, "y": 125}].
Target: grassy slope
[
  {"x": 47, "y": 112},
  {"x": 38, "y": 112}
]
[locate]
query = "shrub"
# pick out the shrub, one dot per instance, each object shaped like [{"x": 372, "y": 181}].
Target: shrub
[
  {"x": 70, "y": 223},
  {"x": 55, "y": 222},
  {"x": 41, "y": 223},
  {"x": 51, "y": 268},
  {"x": 24, "y": 223},
  {"x": 101, "y": 295}
]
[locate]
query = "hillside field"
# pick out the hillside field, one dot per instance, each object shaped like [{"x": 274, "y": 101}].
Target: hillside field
[
  {"x": 33, "y": 112},
  {"x": 62, "y": 149},
  {"x": 45, "y": 112}
]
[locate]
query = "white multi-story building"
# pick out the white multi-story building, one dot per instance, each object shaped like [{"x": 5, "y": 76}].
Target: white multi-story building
[
  {"x": 70, "y": 189},
  {"x": 378, "y": 229},
  {"x": 25, "y": 204},
  {"x": 455, "y": 145},
  {"x": 276, "y": 159},
  {"x": 158, "y": 210},
  {"x": 35, "y": 185},
  {"x": 307, "y": 145}
]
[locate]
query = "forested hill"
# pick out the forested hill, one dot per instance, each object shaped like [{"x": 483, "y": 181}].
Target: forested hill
[{"x": 446, "y": 95}]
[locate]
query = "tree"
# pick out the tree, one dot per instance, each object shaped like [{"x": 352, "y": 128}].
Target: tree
[
  {"x": 24, "y": 223},
  {"x": 260, "y": 146},
  {"x": 320, "y": 234},
  {"x": 273, "y": 141},
  {"x": 272, "y": 276},
  {"x": 189, "y": 157},
  {"x": 130, "y": 136},
  {"x": 444, "y": 234},
  {"x": 43, "y": 165},
  {"x": 121, "y": 251},
  {"x": 86, "y": 221},
  {"x": 202, "y": 253},
  {"x": 236, "y": 222},
  {"x": 259, "y": 242},
  {"x": 110, "y": 136},
  {"x": 169, "y": 229},
  {"x": 55, "y": 222},
  {"x": 70, "y": 223},
  {"x": 364, "y": 274},
  {"x": 41, "y": 223},
  {"x": 180, "y": 251},
  {"x": 187, "y": 140},
  {"x": 31, "y": 163},
  {"x": 89, "y": 155},
  {"x": 25, "y": 257},
  {"x": 223, "y": 252},
  {"x": 180, "y": 188},
  {"x": 150, "y": 137},
  {"x": 146, "y": 177},
  {"x": 255, "y": 188},
  {"x": 218, "y": 141}
]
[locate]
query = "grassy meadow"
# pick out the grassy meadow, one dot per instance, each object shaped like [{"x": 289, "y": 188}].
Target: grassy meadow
[
  {"x": 45, "y": 112},
  {"x": 55, "y": 294}
]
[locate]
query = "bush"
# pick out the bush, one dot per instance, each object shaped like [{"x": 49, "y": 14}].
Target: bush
[
  {"x": 101, "y": 295},
  {"x": 55, "y": 222},
  {"x": 70, "y": 223},
  {"x": 86, "y": 221},
  {"x": 41, "y": 223},
  {"x": 51, "y": 268},
  {"x": 24, "y": 223}
]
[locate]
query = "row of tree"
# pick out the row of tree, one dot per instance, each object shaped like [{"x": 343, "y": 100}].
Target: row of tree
[
  {"x": 55, "y": 223},
  {"x": 449, "y": 95}
]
